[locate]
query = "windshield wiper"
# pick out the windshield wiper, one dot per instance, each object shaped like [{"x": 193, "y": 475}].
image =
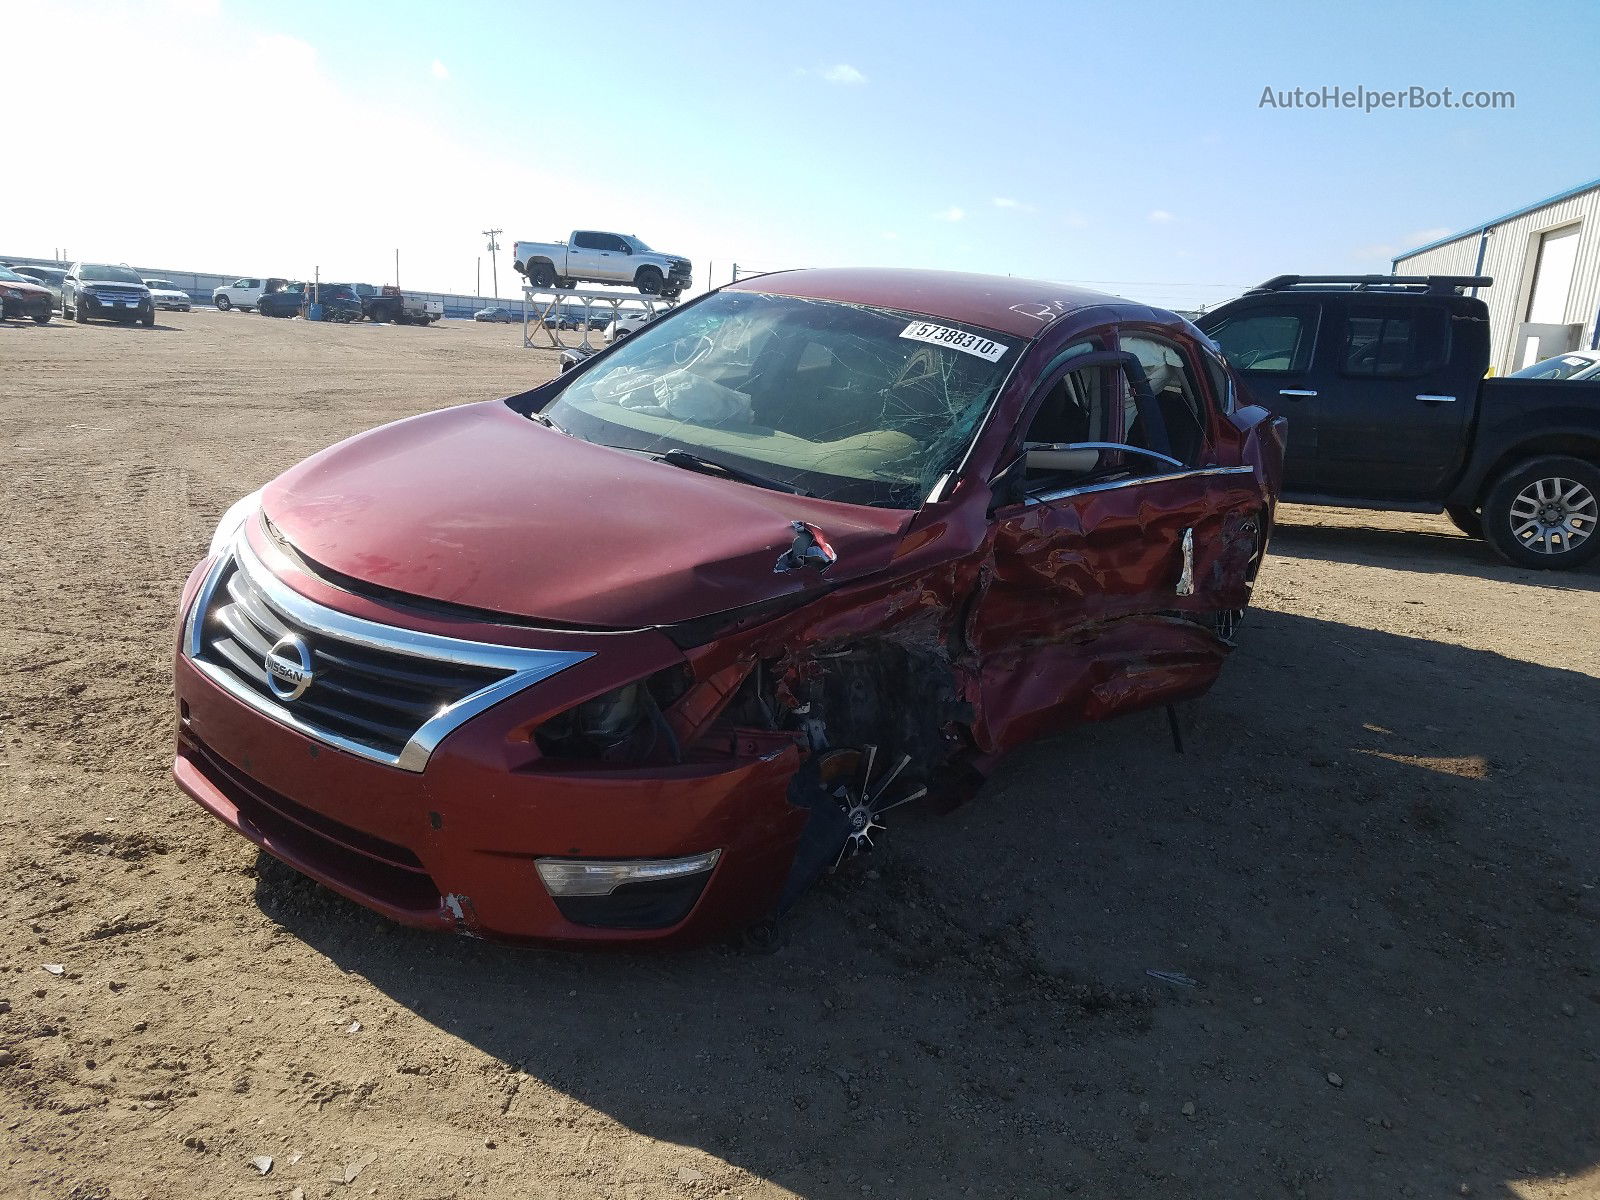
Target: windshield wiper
[
  {"x": 694, "y": 462},
  {"x": 546, "y": 422}
]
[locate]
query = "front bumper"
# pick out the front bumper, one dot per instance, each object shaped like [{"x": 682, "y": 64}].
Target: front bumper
[
  {"x": 173, "y": 305},
  {"x": 18, "y": 308},
  {"x": 109, "y": 309},
  {"x": 455, "y": 845}
]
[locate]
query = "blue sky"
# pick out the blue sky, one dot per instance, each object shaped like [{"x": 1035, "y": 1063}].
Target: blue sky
[{"x": 1115, "y": 143}]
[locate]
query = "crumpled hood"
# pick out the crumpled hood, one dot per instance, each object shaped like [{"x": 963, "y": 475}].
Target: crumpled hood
[{"x": 480, "y": 506}]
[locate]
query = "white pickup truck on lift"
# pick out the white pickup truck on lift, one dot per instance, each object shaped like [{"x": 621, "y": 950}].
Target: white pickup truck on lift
[{"x": 595, "y": 257}]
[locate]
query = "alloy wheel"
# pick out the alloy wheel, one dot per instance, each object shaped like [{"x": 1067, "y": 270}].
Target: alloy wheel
[{"x": 1554, "y": 515}]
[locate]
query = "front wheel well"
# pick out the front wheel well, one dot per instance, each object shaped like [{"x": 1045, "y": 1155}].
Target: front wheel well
[{"x": 1575, "y": 445}]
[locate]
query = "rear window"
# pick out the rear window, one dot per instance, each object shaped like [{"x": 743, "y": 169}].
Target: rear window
[{"x": 1394, "y": 341}]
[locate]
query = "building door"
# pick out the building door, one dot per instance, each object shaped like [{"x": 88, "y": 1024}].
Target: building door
[{"x": 1552, "y": 284}]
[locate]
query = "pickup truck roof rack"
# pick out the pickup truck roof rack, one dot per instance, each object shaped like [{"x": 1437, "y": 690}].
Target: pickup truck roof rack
[{"x": 1438, "y": 284}]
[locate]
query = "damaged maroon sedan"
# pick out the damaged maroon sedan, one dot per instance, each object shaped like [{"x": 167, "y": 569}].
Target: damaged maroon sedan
[{"x": 643, "y": 652}]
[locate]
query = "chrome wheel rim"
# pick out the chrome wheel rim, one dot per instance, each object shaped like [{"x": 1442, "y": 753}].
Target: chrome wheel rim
[{"x": 1554, "y": 515}]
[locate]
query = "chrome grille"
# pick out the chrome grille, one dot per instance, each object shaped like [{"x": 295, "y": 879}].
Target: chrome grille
[{"x": 381, "y": 692}]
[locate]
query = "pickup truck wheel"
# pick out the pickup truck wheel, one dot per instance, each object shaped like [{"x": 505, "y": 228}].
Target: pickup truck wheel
[
  {"x": 224, "y": 303},
  {"x": 542, "y": 275},
  {"x": 1543, "y": 514},
  {"x": 649, "y": 281},
  {"x": 1468, "y": 520}
]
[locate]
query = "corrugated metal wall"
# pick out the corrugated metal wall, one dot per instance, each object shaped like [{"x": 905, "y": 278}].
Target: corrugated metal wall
[{"x": 1510, "y": 257}]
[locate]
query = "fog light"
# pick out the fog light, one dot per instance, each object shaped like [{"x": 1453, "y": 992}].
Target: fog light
[{"x": 589, "y": 877}]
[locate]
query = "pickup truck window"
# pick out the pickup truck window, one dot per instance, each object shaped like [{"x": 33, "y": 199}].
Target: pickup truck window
[
  {"x": 584, "y": 240},
  {"x": 844, "y": 401},
  {"x": 1177, "y": 393},
  {"x": 1394, "y": 341},
  {"x": 1268, "y": 339}
]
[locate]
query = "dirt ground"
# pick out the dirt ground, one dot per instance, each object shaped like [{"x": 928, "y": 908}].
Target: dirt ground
[{"x": 1376, "y": 863}]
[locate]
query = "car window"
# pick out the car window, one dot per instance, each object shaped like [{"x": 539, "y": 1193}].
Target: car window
[
  {"x": 584, "y": 240},
  {"x": 1563, "y": 366},
  {"x": 616, "y": 244},
  {"x": 13, "y": 277},
  {"x": 847, "y": 401},
  {"x": 1179, "y": 417},
  {"x": 1267, "y": 339},
  {"x": 1394, "y": 341},
  {"x": 110, "y": 273}
]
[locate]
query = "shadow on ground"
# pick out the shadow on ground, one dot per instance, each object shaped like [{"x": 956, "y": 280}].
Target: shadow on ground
[
  {"x": 1417, "y": 550},
  {"x": 1375, "y": 862}
]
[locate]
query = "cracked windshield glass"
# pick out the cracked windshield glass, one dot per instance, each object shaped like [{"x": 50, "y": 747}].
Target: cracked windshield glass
[{"x": 840, "y": 401}]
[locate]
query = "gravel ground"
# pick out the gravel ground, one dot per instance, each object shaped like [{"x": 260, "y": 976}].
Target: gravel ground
[{"x": 1376, "y": 863}]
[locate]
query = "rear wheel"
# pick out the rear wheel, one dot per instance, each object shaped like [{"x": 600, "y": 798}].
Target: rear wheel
[
  {"x": 542, "y": 275},
  {"x": 1543, "y": 514},
  {"x": 1468, "y": 520},
  {"x": 224, "y": 303}
]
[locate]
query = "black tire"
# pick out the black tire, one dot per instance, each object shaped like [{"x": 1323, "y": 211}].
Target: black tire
[
  {"x": 1545, "y": 514},
  {"x": 541, "y": 275},
  {"x": 80, "y": 314},
  {"x": 149, "y": 319},
  {"x": 42, "y": 318},
  {"x": 649, "y": 281},
  {"x": 1468, "y": 520},
  {"x": 224, "y": 304}
]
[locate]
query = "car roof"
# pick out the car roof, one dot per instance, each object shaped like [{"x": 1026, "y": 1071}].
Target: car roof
[{"x": 1004, "y": 303}]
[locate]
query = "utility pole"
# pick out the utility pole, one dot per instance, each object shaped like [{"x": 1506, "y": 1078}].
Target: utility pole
[
  {"x": 479, "y": 292},
  {"x": 494, "y": 261}
]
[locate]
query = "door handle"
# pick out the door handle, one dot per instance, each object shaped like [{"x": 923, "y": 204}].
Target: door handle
[
  {"x": 1427, "y": 399},
  {"x": 1297, "y": 392}
]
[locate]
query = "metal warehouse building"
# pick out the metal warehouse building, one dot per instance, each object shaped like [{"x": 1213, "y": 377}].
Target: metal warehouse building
[{"x": 1545, "y": 261}]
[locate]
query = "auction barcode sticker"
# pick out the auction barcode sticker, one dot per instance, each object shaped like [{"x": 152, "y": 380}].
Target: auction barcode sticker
[{"x": 956, "y": 339}]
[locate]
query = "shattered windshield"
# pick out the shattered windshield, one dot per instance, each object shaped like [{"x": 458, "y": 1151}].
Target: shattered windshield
[{"x": 841, "y": 401}]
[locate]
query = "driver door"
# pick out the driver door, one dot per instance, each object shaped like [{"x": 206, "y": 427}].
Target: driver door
[{"x": 1108, "y": 566}]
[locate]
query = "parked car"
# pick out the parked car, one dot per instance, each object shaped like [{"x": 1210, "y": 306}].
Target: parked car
[
  {"x": 496, "y": 312},
  {"x": 389, "y": 303},
  {"x": 625, "y": 324},
  {"x": 596, "y": 257},
  {"x": 639, "y": 654},
  {"x": 108, "y": 291},
  {"x": 339, "y": 301},
  {"x": 168, "y": 295},
  {"x": 1575, "y": 364},
  {"x": 46, "y": 277},
  {"x": 244, "y": 293},
  {"x": 21, "y": 297},
  {"x": 1382, "y": 378}
]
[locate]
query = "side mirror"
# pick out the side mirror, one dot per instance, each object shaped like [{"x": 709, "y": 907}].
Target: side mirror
[{"x": 810, "y": 549}]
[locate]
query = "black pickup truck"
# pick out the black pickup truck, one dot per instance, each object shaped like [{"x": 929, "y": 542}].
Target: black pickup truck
[{"x": 1382, "y": 379}]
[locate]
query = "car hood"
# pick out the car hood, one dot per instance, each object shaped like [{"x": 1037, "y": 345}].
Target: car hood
[
  {"x": 481, "y": 507},
  {"x": 26, "y": 288},
  {"x": 167, "y": 292}
]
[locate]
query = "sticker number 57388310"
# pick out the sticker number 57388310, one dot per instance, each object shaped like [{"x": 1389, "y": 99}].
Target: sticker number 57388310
[{"x": 956, "y": 339}]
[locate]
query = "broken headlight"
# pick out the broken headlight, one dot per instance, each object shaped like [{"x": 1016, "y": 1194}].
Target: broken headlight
[{"x": 624, "y": 725}]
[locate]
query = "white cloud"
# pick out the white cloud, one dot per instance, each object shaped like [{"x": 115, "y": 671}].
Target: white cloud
[
  {"x": 1160, "y": 216},
  {"x": 843, "y": 73},
  {"x": 1008, "y": 202},
  {"x": 950, "y": 214},
  {"x": 440, "y": 71}
]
